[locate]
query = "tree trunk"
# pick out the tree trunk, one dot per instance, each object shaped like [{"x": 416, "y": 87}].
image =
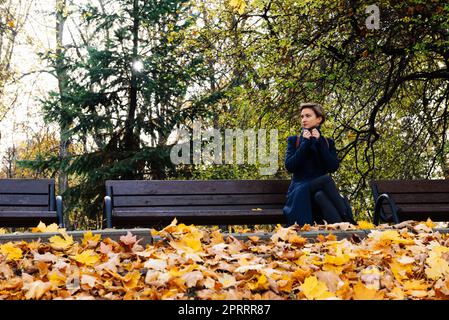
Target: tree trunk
[
  {"x": 131, "y": 140},
  {"x": 61, "y": 75}
]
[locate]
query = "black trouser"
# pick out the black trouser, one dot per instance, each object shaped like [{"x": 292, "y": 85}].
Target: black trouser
[{"x": 332, "y": 206}]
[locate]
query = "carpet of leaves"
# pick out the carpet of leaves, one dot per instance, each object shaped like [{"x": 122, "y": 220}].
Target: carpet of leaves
[{"x": 407, "y": 261}]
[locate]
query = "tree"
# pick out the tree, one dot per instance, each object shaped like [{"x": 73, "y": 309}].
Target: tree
[
  {"x": 13, "y": 16},
  {"x": 386, "y": 89},
  {"x": 123, "y": 95}
]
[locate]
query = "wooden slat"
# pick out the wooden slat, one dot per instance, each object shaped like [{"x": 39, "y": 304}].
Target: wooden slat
[
  {"x": 23, "y": 199},
  {"x": 26, "y": 218},
  {"x": 199, "y": 213},
  {"x": 205, "y": 207},
  {"x": 24, "y": 208},
  {"x": 206, "y": 217},
  {"x": 27, "y": 214},
  {"x": 435, "y": 216},
  {"x": 188, "y": 200},
  {"x": 420, "y": 198},
  {"x": 420, "y": 208},
  {"x": 173, "y": 187},
  {"x": 24, "y": 186},
  {"x": 410, "y": 186}
]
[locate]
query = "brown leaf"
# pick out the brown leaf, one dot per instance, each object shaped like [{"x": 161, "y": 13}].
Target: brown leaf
[{"x": 129, "y": 239}]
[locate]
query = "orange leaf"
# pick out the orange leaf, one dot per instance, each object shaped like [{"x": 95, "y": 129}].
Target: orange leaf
[{"x": 363, "y": 293}]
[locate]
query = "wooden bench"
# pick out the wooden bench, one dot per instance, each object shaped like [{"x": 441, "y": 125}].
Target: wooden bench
[
  {"x": 131, "y": 203},
  {"x": 400, "y": 200},
  {"x": 25, "y": 202}
]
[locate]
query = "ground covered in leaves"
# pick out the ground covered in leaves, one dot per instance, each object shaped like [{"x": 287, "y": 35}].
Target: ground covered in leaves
[{"x": 407, "y": 261}]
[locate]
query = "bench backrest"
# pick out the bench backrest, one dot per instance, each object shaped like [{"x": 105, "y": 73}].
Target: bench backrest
[
  {"x": 26, "y": 195},
  {"x": 182, "y": 195},
  {"x": 416, "y": 199}
]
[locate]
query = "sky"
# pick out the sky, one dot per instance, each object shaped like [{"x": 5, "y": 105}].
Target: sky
[{"x": 24, "y": 116}]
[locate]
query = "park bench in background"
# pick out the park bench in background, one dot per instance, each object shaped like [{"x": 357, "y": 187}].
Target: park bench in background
[
  {"x": 25, "y": 202},
  {"x": 400, "y": 200},
  {"x": 140, "y": 203}
]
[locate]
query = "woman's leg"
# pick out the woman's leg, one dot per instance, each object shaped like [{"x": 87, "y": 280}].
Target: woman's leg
[
  {"x": 326, "y": 184},
  {"x": 328, "y": 210}
]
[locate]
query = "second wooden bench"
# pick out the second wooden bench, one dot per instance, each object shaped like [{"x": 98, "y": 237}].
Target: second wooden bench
[{"x": 137, "y": 203}]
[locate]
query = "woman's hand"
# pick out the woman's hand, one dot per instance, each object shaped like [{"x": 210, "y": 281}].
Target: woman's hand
[
  {"x": 315, "y": 134},
  {"x": 306, "y": 134}
]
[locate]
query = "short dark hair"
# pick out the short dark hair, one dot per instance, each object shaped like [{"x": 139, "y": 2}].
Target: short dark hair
[{"x": 316, "y": 107}]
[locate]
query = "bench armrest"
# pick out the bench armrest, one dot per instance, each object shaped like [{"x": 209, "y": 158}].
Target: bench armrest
[
  {"x": 107, "y": 210},
  {"x": 59, "y": 211},
  {"x": 378, "y": 208}
]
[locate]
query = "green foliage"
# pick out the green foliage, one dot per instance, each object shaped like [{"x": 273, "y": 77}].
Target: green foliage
[{"x": 122, "y": 112}]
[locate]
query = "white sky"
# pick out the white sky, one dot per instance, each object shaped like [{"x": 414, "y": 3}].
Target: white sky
[{"x": 37, "y": 35}]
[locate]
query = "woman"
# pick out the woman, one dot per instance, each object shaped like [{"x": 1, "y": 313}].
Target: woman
[{"x": 311, "y": 157}]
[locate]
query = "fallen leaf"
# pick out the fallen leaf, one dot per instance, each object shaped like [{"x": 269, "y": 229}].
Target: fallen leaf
[
  {"x": 37, "y": 289},
  {"x": 314, "y": 289},
  {"x": 41, "y": 227},
  {"x": 59, "y": 243},
  {"x": 11, "y": 251},
  {"x": 87, "y": 257},
  {"x": 191, "y": 278},
  {"x": 128, "y": 239},
  {"x": 90, "y": 240},
  {"x": 227, "y": 280},
  {"x": 156, "y": 264},
  {"x": 363, "y": 293},
  {"x": 131, "y": 280},
  {"x": 89, "y": 280}
]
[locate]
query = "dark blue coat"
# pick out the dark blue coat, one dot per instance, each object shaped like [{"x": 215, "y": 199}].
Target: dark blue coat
[{"x": 313, "y": 158}]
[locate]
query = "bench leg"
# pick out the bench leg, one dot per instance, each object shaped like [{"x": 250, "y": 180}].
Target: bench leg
[
  {"x": 59, "y": 211},
  {"x": 378, "y": 208},
  {"x": 107, "y": 208}
]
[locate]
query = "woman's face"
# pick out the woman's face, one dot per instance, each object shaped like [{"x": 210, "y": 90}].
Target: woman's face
[{"x": 309, "y": 118}]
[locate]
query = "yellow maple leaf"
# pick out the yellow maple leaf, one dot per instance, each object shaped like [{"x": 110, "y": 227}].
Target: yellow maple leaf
[
  {"x": 56, "y": 278},
  {"x": 260, "y": 284},
  {"x": 363, "y": 293},
  {"x": 88, "y": 236},
  {"x": 365, "y": 225},
  {"x": 41, "y": 227},
  {"x": 172, "y": 227},
  {"x": 430, "y": 223},
  {"x": 314, "y": 289},
  {"x": 415, "y": 285},
  {"x": 11, "y": 24},
  {"x": 59, "y": 243},
  {"x": 131, "y": 280},
  {"x": 396, "y": 294},
  {"x": 216, "y": 237},
  {"x": 10, "y": 251},
  {"x": 337, "y": 260},
  {"x": 401, "y": 271},
  {"x": 438, "y": 267},
  {"x": 188, "y": 243},
  {"x": 285, "y": 283},
  {"x": 87, "y": 257},
  {"x": 394, "y": 236}
]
